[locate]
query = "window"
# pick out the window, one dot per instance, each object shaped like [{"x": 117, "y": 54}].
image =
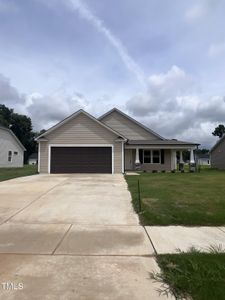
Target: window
[
  {"x": 147, "y": 156},
  {"x": 10, "y": 156},
  {"x": 15, "y": 152},
  {"x": 156, "y": 156},
  {"x": 152, "y": 156}
]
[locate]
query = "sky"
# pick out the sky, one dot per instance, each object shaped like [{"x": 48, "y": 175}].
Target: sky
[{"x": 161, "y": 62}]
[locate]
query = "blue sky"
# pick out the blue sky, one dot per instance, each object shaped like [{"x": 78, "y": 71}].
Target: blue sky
[{"x": 160, "y": 61}]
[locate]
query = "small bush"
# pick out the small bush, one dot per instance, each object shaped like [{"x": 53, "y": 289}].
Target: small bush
[{"x": 154, "y": 171}]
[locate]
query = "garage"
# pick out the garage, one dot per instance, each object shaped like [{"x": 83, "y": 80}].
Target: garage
[{"x": 81, "y": 160}]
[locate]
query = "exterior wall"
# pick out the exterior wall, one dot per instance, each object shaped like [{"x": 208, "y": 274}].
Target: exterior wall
[
  {"x": 81, "y": 130},
  {"x": 43, "y": 157},
  {"x": 158, "y": 167},
  {"x": 127, "y": 128},
  {"x": 129, "y": 159},
  {"x": 8, "y": 143},
  {"x": 218, "y": 156}
]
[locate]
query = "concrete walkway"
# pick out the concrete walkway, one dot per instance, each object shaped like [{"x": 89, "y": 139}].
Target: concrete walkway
[{"x": 77, "y": 237}]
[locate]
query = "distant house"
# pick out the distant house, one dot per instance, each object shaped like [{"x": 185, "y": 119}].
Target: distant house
[
  {"x": 203, "y": 159},
  {"x": 217, "y": 154},
  {"x": 11, "y": 149},
  {"x": 33, "y": 159}
]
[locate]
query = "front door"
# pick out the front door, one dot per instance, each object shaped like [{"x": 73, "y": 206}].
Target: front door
[{"x": 128, "y": 159}]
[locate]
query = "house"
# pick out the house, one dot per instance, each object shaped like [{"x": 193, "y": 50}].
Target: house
[
  {"x": 33, "y": 159},
  {"x": 11, "y": 149},
  {"x": 203, "y": 159},
  {"x": 217, "y": 154},
  {"x": 113, "y": 143}
]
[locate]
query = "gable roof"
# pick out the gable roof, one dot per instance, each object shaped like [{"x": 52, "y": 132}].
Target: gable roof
[
  {"x": 217, "y": 143},
  {"x": 14, "y": 136},
  {"x": 74, "y": 115},
  {"x": 132, "y": 120}
]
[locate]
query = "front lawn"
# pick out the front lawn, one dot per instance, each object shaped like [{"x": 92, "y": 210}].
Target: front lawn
[
  {"x": 180, "y": 198},
  {"x": 197, "y": 276},
  {"x": 9, "y": 173}
]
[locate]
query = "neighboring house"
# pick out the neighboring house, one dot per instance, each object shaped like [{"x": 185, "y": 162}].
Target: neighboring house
[
  {"x": 217, "y": 154},
  {"x": 33, "y": 159},
  {"x": 113, "y": 143},
  {"x": 203, "y": 159},
  {"x": 11, "y": 149}
]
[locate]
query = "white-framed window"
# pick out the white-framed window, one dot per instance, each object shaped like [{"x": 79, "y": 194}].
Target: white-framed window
[
  {"x": 151, "y": 156},
  {"x": 147, "y": 157},
  {"x": 10, "y": 156},
  {"x": 156, "y": 157}
]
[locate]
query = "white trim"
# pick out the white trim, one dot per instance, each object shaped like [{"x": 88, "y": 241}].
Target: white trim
[
  {"x": 78, "y": 145},
  {"x": 170, "y": 147},
  {"x": 39, "y": 157},
  {"x": 122, "y": 157}
]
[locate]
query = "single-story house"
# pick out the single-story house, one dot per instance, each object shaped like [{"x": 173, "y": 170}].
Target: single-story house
[
  {"x": 33, "y": 159},
  {"x": 217, "y": 154},
  {"x": 11, "y": 149},
  {"x": 113, "y": 143},
  {"x": 203, "y": 159}
]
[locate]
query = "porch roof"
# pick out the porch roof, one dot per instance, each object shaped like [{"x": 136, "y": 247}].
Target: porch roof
[{"x": 172, "y": 142}]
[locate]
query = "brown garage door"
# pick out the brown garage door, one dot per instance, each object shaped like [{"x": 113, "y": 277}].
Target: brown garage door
[{"x": 81, "y": 160}]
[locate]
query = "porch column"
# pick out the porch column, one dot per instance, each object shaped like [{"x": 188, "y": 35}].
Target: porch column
[
  {"x": 137, "y": 160},
  {"x": 192, "y": 158},
  {"x": 173, "y": 160},
  {"x": 181, "y": 157}
]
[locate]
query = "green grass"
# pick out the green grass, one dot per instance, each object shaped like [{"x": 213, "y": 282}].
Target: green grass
[
  {"x": 200, "y": 276},
  {"x": 180, "y": 198},
  {"x": 9, "y": 173}
]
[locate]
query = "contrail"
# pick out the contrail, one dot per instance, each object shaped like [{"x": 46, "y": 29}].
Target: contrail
[{"x": 86, "y": 13}]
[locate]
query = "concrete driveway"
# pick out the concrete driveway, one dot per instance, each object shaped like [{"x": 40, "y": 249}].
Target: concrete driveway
[{"x": 72, "y": 237}]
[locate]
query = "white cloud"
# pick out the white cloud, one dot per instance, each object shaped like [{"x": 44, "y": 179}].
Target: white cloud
[
  {"x": 173, "y": 107},
  {"x": 216, "y": 50}
]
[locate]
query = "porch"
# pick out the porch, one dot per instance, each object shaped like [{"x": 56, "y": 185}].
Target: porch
[{"x": 149, "y": 157}]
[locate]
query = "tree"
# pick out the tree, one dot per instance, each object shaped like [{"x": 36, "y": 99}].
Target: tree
[
  {"x": 21, "y": 126},
  {"x": 219, "y": 131}
]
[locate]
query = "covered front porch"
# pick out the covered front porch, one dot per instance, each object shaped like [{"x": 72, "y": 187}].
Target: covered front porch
[{"x": 158, "y": 157}]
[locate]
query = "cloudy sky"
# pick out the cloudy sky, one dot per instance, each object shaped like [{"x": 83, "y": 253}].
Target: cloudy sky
[{"x": 160, "y": 61}]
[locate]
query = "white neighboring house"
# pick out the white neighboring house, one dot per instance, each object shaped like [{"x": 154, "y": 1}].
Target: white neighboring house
[
  {"x": 203, "y": 159},
  {"x": 11, "y": 149},
  {"x": 33, "y": 159}
]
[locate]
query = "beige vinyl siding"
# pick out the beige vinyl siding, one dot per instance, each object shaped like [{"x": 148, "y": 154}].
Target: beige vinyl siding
[
  {"x": 127, "y": 127},
  {"x": 81, "y": 130},
  {"x": 43, "y": 157},
  {"x": 9, "y": 143},
  {"x": 118, "y": 157},
  {"x": 218, "y": 156}
]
